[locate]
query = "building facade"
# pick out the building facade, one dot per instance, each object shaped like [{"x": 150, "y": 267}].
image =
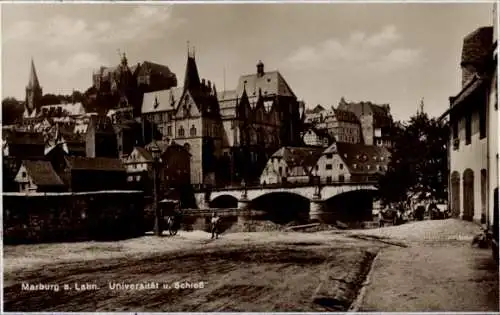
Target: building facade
[
  {"x": 342, "y": 125},
  {"x": 230, "y": 134},
  {"x": 492, "y": 136},
  {"x": 468, "y": 147},
  {"x": 190, "y": 117},
  {"x": 291, "y": 165},
  {"x": 375, "y": 120},
  {"x": 316, "y": 137}
]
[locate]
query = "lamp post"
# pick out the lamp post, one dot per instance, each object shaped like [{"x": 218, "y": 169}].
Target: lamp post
[{"x": 158, "y": 228}]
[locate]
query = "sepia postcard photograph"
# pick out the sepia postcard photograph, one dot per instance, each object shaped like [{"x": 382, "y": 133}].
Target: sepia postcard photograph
[{"x": 250, "y": 157}]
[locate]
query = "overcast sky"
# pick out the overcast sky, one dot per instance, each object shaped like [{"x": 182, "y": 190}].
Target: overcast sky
[{"x": 385, "y": 53}]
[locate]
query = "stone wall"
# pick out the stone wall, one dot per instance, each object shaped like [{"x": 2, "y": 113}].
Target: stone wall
[{"x": 59, "y": 217}]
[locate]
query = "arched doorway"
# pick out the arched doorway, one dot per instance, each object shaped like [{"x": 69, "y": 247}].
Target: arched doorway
[
  {"x": 484, "y": 188},
  {"x": 468, "y": 195},
  {"x": 455, "y": 194}
]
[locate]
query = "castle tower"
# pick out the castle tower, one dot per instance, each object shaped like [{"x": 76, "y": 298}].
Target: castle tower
[{"x": 33, "y": 93}]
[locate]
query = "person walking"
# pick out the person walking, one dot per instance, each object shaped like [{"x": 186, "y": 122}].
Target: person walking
[{"x": 214, "y": 225}]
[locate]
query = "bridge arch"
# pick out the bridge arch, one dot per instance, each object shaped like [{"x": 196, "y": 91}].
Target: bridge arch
[
  {"x": 282, "y": 207},
  {"x": 352, "y": 206},
  {"x": 224, "y": 201}
]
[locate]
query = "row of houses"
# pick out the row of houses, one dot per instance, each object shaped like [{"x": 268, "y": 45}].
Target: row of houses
[
  {"x": 349, "y": 122},
  {"x": 340, "y": 162}
]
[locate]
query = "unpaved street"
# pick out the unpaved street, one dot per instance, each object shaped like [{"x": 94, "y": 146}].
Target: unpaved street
[
  {"x": 420, "y": 266},
  {"x": 438, "y": 271},
  {"x": 276, "y": 274}
]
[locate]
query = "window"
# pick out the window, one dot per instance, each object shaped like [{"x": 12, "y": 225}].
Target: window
[
  {"x": 368, "y": 166},
  {"x": 329, "y": 155},
  {"x": 24, "y": 174},
  {"x": 138, "y": 178},
  {"x": 169, "y": 131},
  {"x": 192, "y": 131},
  {"x": 180, "y": 132},
  {"x": 482, "y": 122},
  {"x": 355, "y": 166},
  {"x": 316, "y": 167},
  {"x": 280, "y": 170},
  {"x": 328, "y": 166},
  {"x": 328, "y": 179},
  {"x": 468, "y": 128},
  {"x": 341, "y": 166},
  {"x": 130, "y": 178},
  {"x": 341, "y": 178}
]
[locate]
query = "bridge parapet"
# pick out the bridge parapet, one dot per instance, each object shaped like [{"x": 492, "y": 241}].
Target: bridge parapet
[{"x": 284, "y": 185}]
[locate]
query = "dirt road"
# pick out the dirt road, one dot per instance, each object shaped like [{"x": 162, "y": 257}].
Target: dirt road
[
  {"x": 438, "y": 271},
  {"x": 262, "y": 275}
]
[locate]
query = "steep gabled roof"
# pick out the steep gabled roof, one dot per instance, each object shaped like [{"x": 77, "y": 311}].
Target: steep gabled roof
[
  {"x": 42, "y": 173},
  {"x": 363, "y": 159},
  {"x": 270, "y": 83},
  {"x": 144, "y": 153},
  {"x": 317, "y": 109},
  {"x": 299, "y": 156},
  {"x": 163, "y": 100}
]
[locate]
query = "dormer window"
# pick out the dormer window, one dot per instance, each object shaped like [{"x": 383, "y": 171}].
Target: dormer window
[{"x": 355, "y": 166}]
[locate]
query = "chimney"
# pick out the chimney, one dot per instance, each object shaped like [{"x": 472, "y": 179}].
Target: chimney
[
  {"x": 476, "y": 53},
  {"x": 209, "y": 85},
  {"x": 260, "y": 68},
  {"x": 203, "y": 83}
]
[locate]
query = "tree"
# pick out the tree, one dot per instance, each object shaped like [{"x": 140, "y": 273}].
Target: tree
[
  {"x": 12, "y": 110},
  {"x": 418, "y": 165}
]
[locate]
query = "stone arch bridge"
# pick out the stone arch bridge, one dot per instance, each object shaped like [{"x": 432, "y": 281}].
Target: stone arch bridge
[{"x": 315, "y": 194}]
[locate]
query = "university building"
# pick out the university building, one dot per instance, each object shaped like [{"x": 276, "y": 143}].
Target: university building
[{"x": 230, "y": 134}]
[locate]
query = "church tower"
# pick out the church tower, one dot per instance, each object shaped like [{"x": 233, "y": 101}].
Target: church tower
[{"x": 33, "y": 93}]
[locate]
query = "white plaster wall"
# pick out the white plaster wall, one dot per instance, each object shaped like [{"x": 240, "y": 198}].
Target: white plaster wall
[
  {"x": 493, "y": 143},
  {"x": 471, "y": 156}
]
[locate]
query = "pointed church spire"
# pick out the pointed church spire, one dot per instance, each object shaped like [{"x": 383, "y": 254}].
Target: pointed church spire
[
  {"x": 33, "y": 79},
  {"x": 191, "y": 78}
]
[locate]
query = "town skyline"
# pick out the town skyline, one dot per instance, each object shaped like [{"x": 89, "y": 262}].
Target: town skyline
[{"x": 381, "y": 56}]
